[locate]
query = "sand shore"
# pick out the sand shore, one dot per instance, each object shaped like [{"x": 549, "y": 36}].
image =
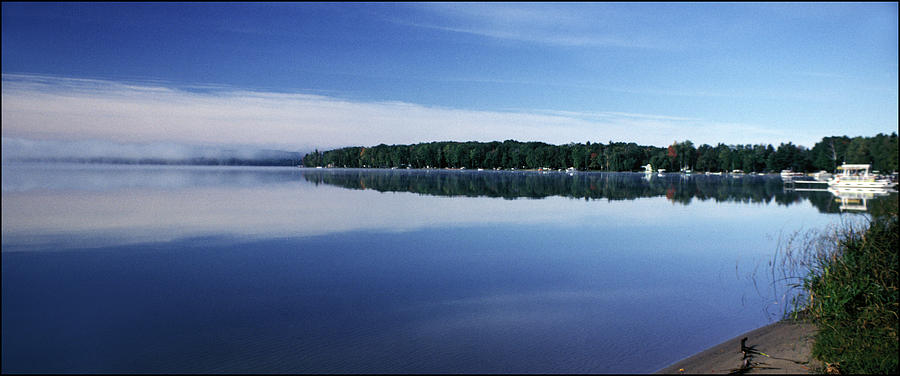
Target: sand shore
[{"x": 787, "y": 344}]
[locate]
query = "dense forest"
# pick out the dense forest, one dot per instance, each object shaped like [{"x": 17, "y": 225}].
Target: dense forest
[{"x": 880, "y": 151}]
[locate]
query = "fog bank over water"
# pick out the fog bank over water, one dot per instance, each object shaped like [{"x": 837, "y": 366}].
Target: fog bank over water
[{"x": 23, "y": 149}]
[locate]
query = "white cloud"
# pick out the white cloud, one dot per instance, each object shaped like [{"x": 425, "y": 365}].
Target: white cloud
[
  {"x": 49, "y": 108},
  {"x": 586, "y": 25}
]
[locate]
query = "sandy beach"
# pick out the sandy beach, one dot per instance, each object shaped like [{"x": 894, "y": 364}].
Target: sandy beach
[{"x": 784, "y": 348}]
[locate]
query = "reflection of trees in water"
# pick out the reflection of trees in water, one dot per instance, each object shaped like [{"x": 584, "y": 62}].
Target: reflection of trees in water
[{"x": 595, "y": 185}]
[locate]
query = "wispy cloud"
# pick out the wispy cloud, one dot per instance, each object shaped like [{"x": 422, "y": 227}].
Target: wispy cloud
[
  {"x": 613, "y": 116},
  {"x": 48, "y": 108},
  {"x": 822, "y": 74},
  {"x": 585, "y": 25}
]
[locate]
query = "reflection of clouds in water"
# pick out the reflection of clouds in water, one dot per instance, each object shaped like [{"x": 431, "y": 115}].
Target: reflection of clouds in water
[
  {"x": 543, "y": 297},
  {"x": 274, "y": 210},
  {"x": 537, "y": 308},
  {"x": 110, "y": 205},
  {"x": 566, "y": 321}
]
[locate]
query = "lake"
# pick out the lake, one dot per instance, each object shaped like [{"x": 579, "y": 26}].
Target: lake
[{"x": 176, "y": 269}]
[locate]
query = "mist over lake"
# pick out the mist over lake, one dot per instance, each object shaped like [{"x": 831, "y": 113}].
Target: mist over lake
[{"x": 111, "y": 268}]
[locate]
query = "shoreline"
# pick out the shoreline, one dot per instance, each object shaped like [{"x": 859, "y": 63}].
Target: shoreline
[{"x": 787, "y": 344}]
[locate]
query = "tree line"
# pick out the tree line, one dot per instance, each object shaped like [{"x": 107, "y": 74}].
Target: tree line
[{"x": 880, "y": 151}]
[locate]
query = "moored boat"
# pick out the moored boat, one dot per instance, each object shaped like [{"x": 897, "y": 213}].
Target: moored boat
[
  {"x": 823, "y": 175},
  {"x": 857, "y": 176}
]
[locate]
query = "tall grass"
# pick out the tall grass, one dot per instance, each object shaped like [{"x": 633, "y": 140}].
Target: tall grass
[{"x": 850, "y": 292}]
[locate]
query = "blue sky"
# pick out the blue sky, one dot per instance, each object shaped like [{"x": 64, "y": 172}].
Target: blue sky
[{"x": 307, "y": 75}]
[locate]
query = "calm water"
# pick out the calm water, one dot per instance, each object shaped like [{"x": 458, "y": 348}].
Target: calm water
[{"x": 208, "y": 269}]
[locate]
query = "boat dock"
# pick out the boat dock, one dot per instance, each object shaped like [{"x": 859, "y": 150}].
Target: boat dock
[{"x": 808, "y": 185}]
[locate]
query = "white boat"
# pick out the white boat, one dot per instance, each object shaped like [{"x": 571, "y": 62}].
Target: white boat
[
  {"x": 648, "y": 169},
  {"x": 856, "y": 176},
  {"x": 661, "y": 172},
  {"x": 823, "y": 175},
  {"x": 790, "y": 174}
]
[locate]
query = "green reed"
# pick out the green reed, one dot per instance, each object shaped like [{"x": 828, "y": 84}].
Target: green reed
[{"x": 850, "y": 293}]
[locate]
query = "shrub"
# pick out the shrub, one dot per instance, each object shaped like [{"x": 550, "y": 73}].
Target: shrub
[{"x": 851, "y": 296}]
